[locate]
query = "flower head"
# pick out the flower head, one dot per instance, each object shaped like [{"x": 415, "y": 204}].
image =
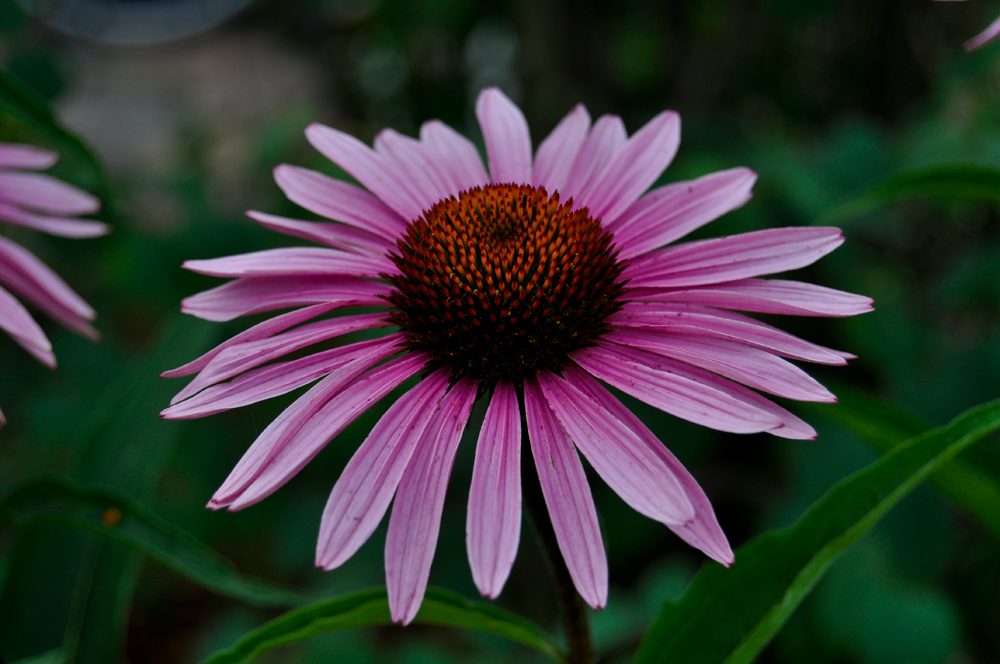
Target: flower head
[
  {"x": 43, "y": 203},
  {"x": 526, "y": 285}
]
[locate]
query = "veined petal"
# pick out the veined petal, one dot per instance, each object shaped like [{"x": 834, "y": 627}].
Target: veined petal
[
  {"x": 362, "y": 494},
  {"x": 339, "y": 236},
  {"x": 618, "y": 455},
  {"x": 17, "y": 155},
  {"x": 59, "y": 226},
  {"x": 508, "y": 142},
  {"x": 606, "y": 139},
  {"x": 18, "y": 323},
  {"x": 493, "y": 520},
  {"x": 305, "y": 427},
  {"x": 416, "y": 512},
  {"x": 732, "y": 258},
  {"x": 558, "y": 151},
  {"x": 406, "y": 157},
  {"x": 366, "y": 166},
  {"x": 635, "y": 168},
  {"x": 766, "y": 296},
  {"x": 254, "y": 295},
  {"x": 292, "y": 262},
  {"x": 703, "y": 531},
  {"x": 567, "y": 497},
  {"x": 669, "y": 213},
  {"x": 45, "y": 193},
  {"x": 455, "y": 154}
]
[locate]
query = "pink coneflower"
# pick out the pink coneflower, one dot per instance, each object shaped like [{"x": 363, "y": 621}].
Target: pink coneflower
[
  {"x": 526, "y": 285},
  {"x": 43, "y": 203}
]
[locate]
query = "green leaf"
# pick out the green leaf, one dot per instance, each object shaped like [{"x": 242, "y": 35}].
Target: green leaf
[
  {"x": 729, "y": 615},
  {"x": 116, "y": 517},
  {"x": 371, "y": 607},
  {"x": 969, "y": 181},
  {"x": 25, "y": 116}
]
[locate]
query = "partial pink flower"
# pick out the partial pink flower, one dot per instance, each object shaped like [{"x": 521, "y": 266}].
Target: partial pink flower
[
  {"x": 990, "y": 34},
  {"x": 40, "y": 202},
  {"x": 532, "y": 284}
]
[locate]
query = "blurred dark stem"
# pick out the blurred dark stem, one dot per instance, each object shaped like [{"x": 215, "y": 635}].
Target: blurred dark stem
[{"x": 572, "y": 608}]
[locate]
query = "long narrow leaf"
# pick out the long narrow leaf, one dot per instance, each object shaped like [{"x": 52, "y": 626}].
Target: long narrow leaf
[
  {"x": 371, "y": 607},
  {"x": 730, "y": 615}
]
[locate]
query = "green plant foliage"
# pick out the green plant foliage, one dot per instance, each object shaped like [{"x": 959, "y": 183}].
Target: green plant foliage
[
  {"x": 371, "y": 607},
  {"x": 774, "y": 572}
]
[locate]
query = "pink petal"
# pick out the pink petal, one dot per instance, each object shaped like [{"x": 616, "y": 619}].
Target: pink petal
[
  {"x": 305, "y": 427},
  {"x": 254, "y": 295},
  {"x": 367, "y": 167},
  {"x": 493, "y": 520},
  {"x": 567, "y": 497},
  {"x": 362, "y": 494},
  {"x": 454, "y": 154},
  {"x": 635, "y": 168},
  {"x": 339, "y": 236},
  {"x": 766, "y": 296},
  {"x": 991, "y": 33},
  {"x": 671, "y": 212},
  {"x": 698, "y": 321},
  {"x": 620, "y": 457},
  {"x": 241, "y": 357},
  {"x": 15, "y": 155},
  {"x": 18, "y": 323},
  {"x": 508, "y": 141},
  {"x": 731, "y": 258},
  {"x": 292, "y": 262},
  {"x": 71, "y": 228},
  {"x": 558, "y": 151},
  {"x": 413, "y": 169},
  {"x": 750, "y": 366},
  {"x": 260, "y": 331},
  {"x": 606, "y": 139},
  {"x": 45, "y": 193},
  {"x": 3, "y": 420},
  {"x": 283, "y": 377},
  {"x": 703, "y": 531},
  {"x": 23, "y": 273},
  {"x": 416, "y": 512},
  {"x": 689, "y": 393}
]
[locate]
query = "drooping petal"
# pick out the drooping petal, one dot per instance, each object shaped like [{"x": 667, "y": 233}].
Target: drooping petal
[
  {"x": 750, "y": 366},
  {"x": 703, "y": 531},
  {"x": 697, "y": 321},
  {"x": 618, "y": 455},
  {"x": 15, "y": 155},
  {"x": 305, "y": 427},
  {"x": 339, "y": 236},
  {"x": 59, "y": 226},
  {"x": 292, "y": 262},
  {"x": 567, "y": 497},
  {"x": 689, "y": 393},
  {"x": 766, "y": 296},
  {"x": 406, "y": 157},
  {"x": 45, "y": 193},
  {"x": 338, "y": 200},
  {"x": 508, "y": 141},
  {"x": 671, "y": 212},
  {"x": 22, "y": 273},
  {"x": 606, "y": 138},
  {"x": 493, "y": 520},
  {"x": 732, "y": 258},
  {"x": 416, "y": 511},
  {"x": 558, "y": 151},
  {"x": 635, "y": 168},
  {"x": 254, "y": 295},
  {"x": 260, "y": 331},
  {"x": 454, "y": 154},
  {"x": 18, "y": 323},
  {"x": 362, "y": 494},
  {"x": 990, "y": 34},
  {"x": 366, "y": 166}
]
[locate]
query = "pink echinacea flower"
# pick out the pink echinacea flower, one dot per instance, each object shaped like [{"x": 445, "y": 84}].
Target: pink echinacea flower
[
  {"x": 526, "y": 284},
  {"x": 43, "y": 203}
]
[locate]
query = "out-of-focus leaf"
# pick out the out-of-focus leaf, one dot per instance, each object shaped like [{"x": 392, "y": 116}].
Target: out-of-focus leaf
[
  {"x": 950, "y": 181},
  {"x": 25, "y": 116},
  {"x": 883, "y": 426},
  {"x": 113, "y": 515},
  {"x": 371, "y": 607},
  {"x": 729, "y": 615}
]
